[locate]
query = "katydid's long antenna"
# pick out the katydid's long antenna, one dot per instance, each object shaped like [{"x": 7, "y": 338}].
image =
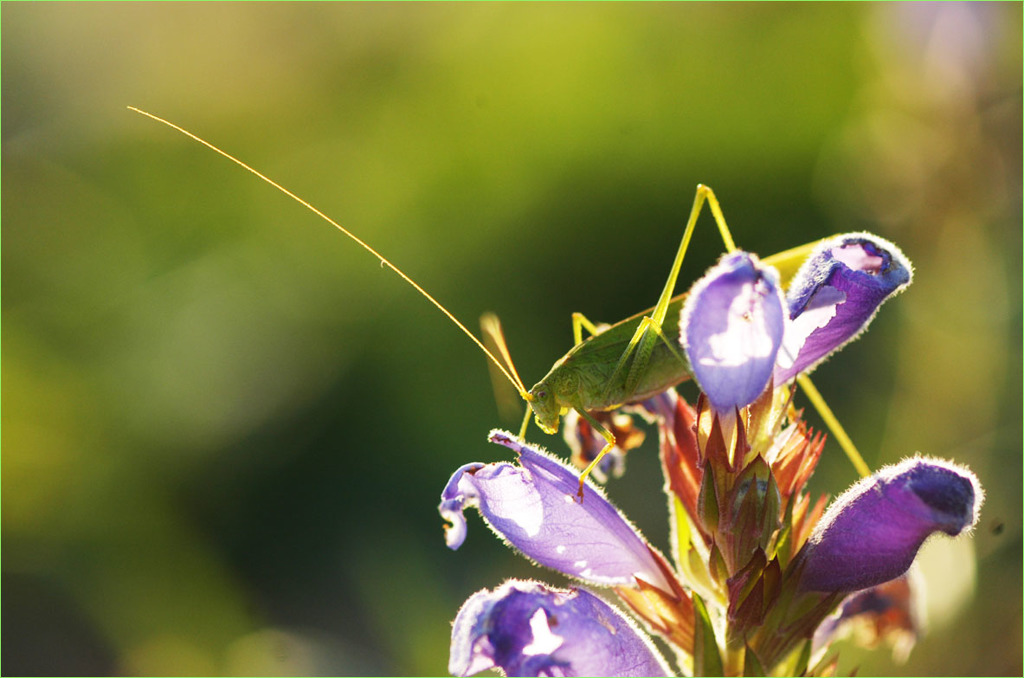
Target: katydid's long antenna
[{"x": 514, "y": 379}]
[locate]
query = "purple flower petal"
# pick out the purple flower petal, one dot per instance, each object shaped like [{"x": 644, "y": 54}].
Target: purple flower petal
[
  {"x": 835, "y": 295},
  {"x": 731, "y": 327},
  {"x": 529, "y": 629},
  {"x": 535, "y": 509},
  {"x": 871, "y": 533},
  {"x": 452, "y": 503}
]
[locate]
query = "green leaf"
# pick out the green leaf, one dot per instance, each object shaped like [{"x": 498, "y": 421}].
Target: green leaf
[{"x": 707, "y": 660}]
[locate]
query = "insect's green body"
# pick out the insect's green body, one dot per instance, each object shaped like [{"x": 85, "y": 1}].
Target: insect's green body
[
  {"x": 627, "y": 362},
  {"x": 586, "y": 377}
]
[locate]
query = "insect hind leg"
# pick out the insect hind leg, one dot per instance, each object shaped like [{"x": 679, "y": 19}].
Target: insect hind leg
[
  {"x": 643, "y": 340},
  {"x": 838, "y": 432},
  {"x": 703, "y": 194}
]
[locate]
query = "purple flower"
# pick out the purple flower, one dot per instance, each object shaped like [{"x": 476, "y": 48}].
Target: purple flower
[
  {"x": 529, "y": 629},
  {"x": 534, "y": 508},
  {"x": 834, "y": 296},
  {"x": 871, "y": 533},
  {"x": 758, "y": 564},
  {"x": 731, "y": 327}
]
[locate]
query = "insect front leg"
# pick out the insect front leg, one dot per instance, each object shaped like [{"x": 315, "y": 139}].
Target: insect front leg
[{"x": 609, "y": 444}]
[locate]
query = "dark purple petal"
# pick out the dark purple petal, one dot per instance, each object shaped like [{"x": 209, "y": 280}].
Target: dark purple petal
[
  {"x": 535, "y": 509},
  {"x": 731, "y": 327},
  {"x": 529, "y": 629},
  {"x": 834, "y": 296},
  {"x": 871, "y": 533}
]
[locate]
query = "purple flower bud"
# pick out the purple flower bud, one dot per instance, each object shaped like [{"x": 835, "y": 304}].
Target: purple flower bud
[
  {"x": 535, "y": 509},
  {"x": 834, "y": 296},
  {"x": 529, "y": 629},
  {"x": 871, "y": 533},
  {"x": 731, "y": 327}
]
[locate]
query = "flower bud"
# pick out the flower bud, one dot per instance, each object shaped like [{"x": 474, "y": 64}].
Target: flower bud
[
  {"x": 871, "y": 533},
  {"x": 731, "y": 328},
  {"x": 834, "y": 296}
]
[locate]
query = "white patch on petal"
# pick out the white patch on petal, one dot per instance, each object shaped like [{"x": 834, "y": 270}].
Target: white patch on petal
[
  {"x": 544, "y": 642},
  {"x": 519, "y": 503},
  {"x": 798, "y": 330},
  {"x": 856, "y": 257},
  {"x": 746, "y": 335},
  {"x": 560, "y": 549}
]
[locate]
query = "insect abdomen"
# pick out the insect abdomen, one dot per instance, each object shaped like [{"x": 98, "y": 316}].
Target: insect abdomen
[{"x": 594, "y": 362}]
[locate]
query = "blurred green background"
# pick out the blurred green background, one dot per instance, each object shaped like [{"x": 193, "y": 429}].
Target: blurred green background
[{"x": 226, "y": 428}]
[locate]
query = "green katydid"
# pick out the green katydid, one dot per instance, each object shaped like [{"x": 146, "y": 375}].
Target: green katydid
[
  {"x": 627, "y": 362},
  {"x": 641, "y": 356}
]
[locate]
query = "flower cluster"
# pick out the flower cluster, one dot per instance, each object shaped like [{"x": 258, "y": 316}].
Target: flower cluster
[{"x": 762, "y": 577}]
